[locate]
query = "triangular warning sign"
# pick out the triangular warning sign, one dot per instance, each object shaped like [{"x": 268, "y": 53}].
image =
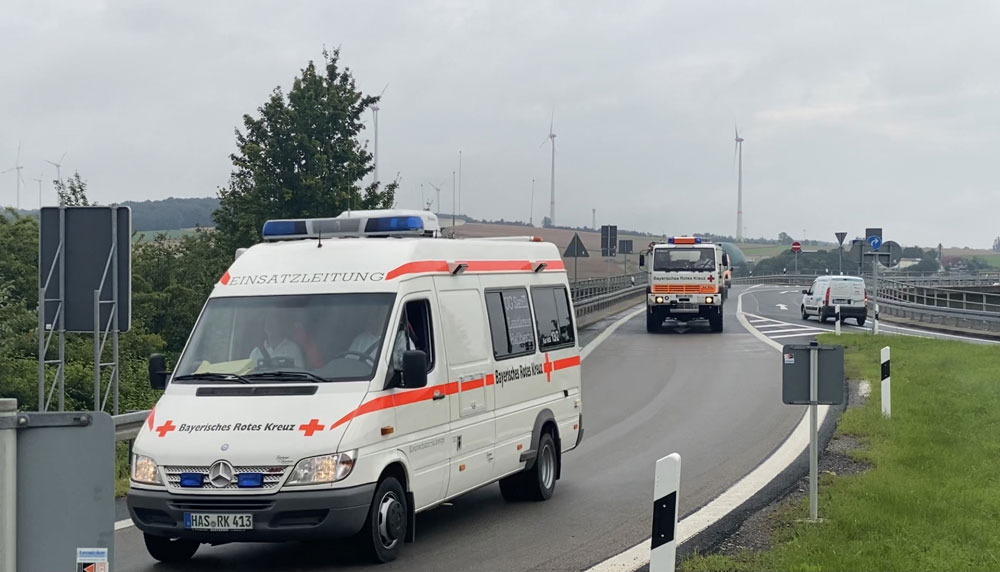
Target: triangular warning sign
[{"x": 576, "y": 249}]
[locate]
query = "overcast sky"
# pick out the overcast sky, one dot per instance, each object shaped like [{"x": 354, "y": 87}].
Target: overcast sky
[{"x": 855, "y": 114}]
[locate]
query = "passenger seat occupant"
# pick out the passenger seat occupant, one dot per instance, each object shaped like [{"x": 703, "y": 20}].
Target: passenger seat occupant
[
  {"x": 366, "y": 342},
  {"x": 277, "y": 343}
]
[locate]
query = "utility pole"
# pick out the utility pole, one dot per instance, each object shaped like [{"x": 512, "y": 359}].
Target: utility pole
[
  {"x": 453, "y": 228},
  {"x": 459, "y": 180},
  {"x": 593, "y": 222},
  {"x": 531, "y": 212}
]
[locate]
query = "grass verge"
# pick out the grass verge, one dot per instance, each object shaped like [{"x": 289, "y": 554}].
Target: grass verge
[{"x": 932, "y": 499}]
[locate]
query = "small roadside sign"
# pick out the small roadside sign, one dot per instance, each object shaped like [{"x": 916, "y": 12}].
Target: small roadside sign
[
  {"x": 576, "y": 249},
  {"x": 840, "y": 237},
  {"x": 796, "y": 246},
  {"x": 609, "y": 240},
  {"x": 875, "y": 242},
  {"x": 625, "y": 246}
]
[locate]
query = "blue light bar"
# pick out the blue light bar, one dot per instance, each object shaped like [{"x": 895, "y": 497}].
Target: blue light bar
[
  {"x": 192, "y": 480},
  {"x": 250, "y": 480},
  {"x": 274, "y": 228},
  {"x": 394, "y": 224}
]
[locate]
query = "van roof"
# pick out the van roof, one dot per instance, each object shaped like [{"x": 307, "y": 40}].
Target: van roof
[{"x": 377, "y": 264}]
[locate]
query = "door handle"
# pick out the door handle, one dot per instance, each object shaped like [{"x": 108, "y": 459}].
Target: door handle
[{"x": 438, "y": 396}]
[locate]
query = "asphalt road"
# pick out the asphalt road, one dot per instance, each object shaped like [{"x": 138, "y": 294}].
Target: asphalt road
[{"x": 713, "y": 398}]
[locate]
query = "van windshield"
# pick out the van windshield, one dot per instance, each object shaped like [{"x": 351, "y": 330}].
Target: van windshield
[
  {"x": 673, "y": 259},
  {"x": 317, "y": 337}
]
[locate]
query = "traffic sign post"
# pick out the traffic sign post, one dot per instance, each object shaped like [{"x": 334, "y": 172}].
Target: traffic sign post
[
  {"x": 625, "y": 247},
  {"x": 576, "y": 250},
  {"x": 796, "y": 249},
  {"x": 840, "y": 238}
]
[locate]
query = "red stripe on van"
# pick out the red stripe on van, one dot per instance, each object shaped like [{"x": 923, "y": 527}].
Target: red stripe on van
[
  {"x": 427, "y": 393},
  {"x": 441, "y": 266}
]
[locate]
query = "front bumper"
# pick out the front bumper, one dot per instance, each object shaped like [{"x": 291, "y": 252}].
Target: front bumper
[
  {"x": 278, "y": 517},
  {"x": 684, "y": 303}
]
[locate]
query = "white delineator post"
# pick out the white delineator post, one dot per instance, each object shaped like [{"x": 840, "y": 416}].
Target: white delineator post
[
  {"x": 886, "y": 386},
  {"x": 663, "y": 544},
  {"x": 8, "y": 488},
  {"x": 836, "y": 325},
  {"x": 813, "y": 434}
]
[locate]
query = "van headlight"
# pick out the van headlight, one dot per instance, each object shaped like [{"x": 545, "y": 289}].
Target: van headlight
[
  {"x": 709, "y": 299},
  {"x": 145, "y": 470},
  {"x": 323, "y": 469}
]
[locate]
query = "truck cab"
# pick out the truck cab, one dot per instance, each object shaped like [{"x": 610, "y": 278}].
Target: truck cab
[{"x": 686, "y": 282}]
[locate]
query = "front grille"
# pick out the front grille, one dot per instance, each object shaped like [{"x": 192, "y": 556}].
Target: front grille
[
  {"x": 217, "y": 504},
  {"x": 684, "y": 289},
  {"x": 272, "y": 477}
]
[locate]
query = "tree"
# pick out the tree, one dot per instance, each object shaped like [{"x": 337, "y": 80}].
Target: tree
[
  {"x": 783, "y": 238},
  {"x": 301, "y": 157},
  {"x": 72, "y": 193},
  {"x": 996, "y": 244},
  {"x": 546, "y": 222}
]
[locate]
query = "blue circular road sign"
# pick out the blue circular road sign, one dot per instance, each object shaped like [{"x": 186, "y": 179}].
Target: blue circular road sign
[{"x": 875, "y": 242}]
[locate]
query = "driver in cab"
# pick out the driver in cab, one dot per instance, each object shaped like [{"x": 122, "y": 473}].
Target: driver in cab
[{"x": 278, "y": 346}]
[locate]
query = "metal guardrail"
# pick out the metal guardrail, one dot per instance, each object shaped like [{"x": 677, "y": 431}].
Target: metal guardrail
[{"x": 589, "y": 296}]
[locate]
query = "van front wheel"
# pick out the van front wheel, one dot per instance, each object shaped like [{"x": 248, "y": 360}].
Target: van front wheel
[
  {"x": 385, "y": 528},
  {"x": 167, "y": 549},
  {"x": 539, "y": 482}
]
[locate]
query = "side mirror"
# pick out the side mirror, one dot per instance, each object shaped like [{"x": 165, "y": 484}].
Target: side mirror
[
  {"x": 158, "y": 371},
  {"x": 805, "y": 292},
  {"x": 414, "y": 369},
  {"x": 642, "y": 260}
]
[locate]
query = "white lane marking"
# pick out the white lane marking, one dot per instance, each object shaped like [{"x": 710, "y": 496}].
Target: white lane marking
[
  {"x": 790, "y": 291},
  {"x": 783, "y": 307},
  {"x": 584, "y": 352},
  {"x": 776, "y": 324},
  {"x": 812, "y": 333},
  {"x": 794, "y": 328},
  {"x": 587, "y": 349},
  {"x": 797, "y": 442}
]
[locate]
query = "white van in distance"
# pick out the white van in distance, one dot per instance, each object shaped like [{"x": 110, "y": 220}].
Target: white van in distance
[
  {"x": 349, "y": 373},
  {"x": 827, "y": 292}
]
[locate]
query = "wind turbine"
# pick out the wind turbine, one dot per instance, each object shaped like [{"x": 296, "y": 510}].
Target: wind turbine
[
  {"x": 58, "y": 166},
  {"x": 552, "y": 193},
  {"x": 17, "y": 167},
  {"x": 375, "y": 109},
  {"x": 437, "y": 188},
  {"x": 39, "y": 179},
  {"x": 739, "y": 186}
]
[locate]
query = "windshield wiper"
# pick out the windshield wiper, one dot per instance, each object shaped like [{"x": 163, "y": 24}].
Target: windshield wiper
[
  {"x": 210, "y": 376},
  {"x": 286, "y": 375}
]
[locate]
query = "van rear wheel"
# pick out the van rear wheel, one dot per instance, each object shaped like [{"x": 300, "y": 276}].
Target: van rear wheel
[
  {"x": 167, "y": 549},
  {"x": 539, "y": 482}
]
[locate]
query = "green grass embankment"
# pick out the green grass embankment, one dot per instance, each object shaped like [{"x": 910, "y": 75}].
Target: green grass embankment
[{"x": 931, "y": 499}]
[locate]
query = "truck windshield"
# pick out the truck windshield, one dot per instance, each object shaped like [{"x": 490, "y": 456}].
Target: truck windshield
[
  {"x": 673, "y": 259},
  {"x": 335, "y": 337}
]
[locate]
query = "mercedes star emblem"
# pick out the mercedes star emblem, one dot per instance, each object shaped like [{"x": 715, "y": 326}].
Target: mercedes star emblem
[{"x": 221, "y": 474}]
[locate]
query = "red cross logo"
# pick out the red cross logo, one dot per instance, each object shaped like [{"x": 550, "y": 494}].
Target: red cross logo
[
  {"x": 711, "y": 278},
  {"x": 548, "y": 368},
  {"x": 166, "y": 428},
  {"x": 311, "y": 427}
]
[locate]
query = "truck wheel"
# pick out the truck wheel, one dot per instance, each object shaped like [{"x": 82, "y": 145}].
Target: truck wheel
[
  {"x": 385, "y": 527},
  {"x": 653, "y": 322},
  {"x": 804, "y": 315},
  {"x": 167, "y": 549},
  {"x": 715, "y": 322},
  {"x": 861, "y": 320},
  {"x": 821, "y": 316},
  {"x": 539, "y": 482}
]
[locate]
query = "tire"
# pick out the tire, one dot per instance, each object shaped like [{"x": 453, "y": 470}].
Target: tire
[
  {"x": 861, "y": 320},
  {"x": 804, "y": 315},
  {"x": 820, "y": 315},
  {"x": 167, "y": 549},
  {"x": 715, "y": 322},
  {"x": 385, "y": 528},
  {"x": 653, "y": 322},
  {"x": 539, "y": 482}
]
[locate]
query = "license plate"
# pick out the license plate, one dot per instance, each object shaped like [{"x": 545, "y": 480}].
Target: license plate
[
  {"x": 842, "y": 301},
  {"x": 217, "y": 521}
]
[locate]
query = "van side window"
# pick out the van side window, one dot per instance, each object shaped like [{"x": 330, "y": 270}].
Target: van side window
[
  {"x": 555, "y": 324},
  {"x": 414, "y": 333},
  {"x": 511, "y": 327}
]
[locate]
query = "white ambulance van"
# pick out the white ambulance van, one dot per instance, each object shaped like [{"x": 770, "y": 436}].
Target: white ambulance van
[{"x": 349, "y": 373}]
